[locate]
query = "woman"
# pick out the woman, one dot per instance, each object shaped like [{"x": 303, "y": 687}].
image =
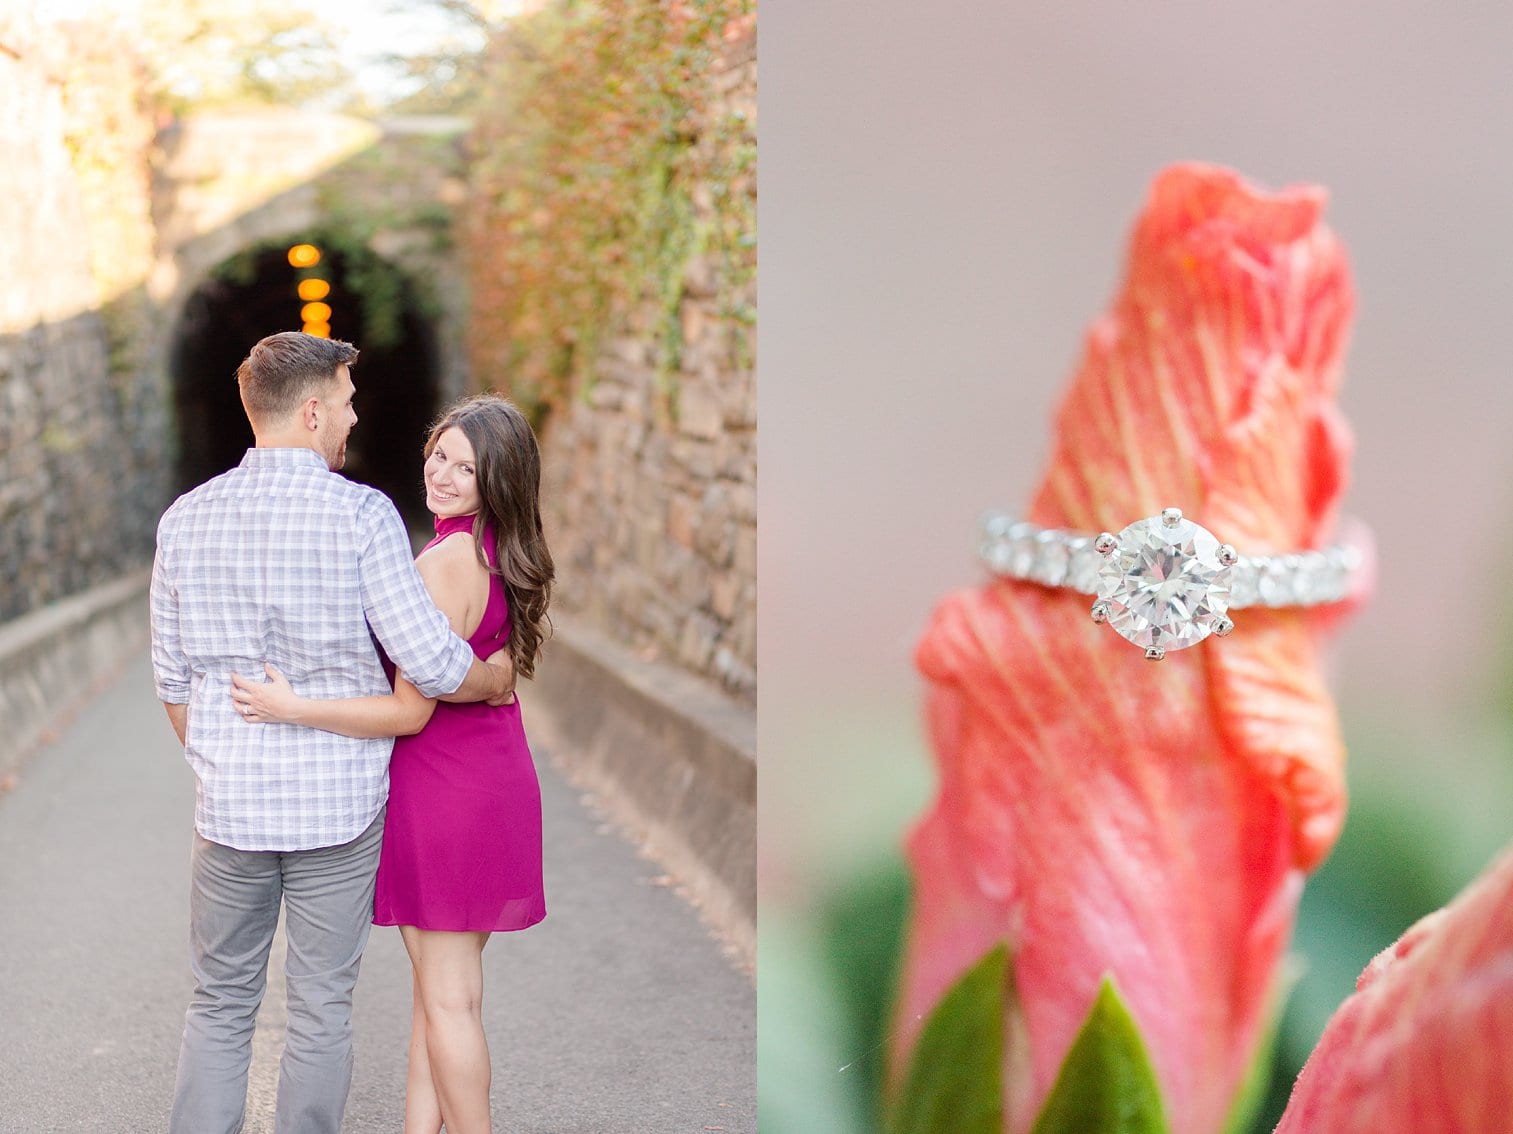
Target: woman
[{"x": 461, "y": 854}]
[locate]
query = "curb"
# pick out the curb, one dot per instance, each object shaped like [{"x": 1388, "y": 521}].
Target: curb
[
  {"x": 52, "y": 660},
  {"x": 668, "y": 756}
]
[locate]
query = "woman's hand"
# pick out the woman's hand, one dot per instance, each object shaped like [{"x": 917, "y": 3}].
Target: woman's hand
[{"x": 270, "y": 702}]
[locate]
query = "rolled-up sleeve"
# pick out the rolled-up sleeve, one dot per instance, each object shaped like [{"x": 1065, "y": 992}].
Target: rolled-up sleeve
[
  {"x": 170, "y": 667},
  {"x": 414, "y": 634}
]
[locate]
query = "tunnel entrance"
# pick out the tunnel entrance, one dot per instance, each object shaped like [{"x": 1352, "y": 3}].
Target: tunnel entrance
[{"x": 374, "y": 307}]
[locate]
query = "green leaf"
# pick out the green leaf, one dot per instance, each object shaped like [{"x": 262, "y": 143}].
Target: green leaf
[
  {"x": 802, "y": 1038},
  {"x": 1253, "y": 1090},
  {"x": 862, "y": 926},
  {"x": 955, "y": 1077},
  {"x": 1106, "y": 1083}
]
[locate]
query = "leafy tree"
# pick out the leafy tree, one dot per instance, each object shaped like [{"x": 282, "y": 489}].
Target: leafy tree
[{"x": 220, "y": 52}]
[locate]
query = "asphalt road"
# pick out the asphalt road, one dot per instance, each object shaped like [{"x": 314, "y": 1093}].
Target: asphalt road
[{"x": 619, "y": 1013}]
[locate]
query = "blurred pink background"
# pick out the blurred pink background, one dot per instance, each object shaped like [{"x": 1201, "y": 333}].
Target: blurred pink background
[{"x": 947, "y": 191}]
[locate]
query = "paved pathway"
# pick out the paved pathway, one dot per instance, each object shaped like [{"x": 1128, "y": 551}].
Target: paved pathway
[{"x": 618, "y": 1013}]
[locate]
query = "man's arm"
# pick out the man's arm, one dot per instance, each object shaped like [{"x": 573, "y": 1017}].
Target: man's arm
[
  {"x": 492, "y": 681},
  {"x": 170, "y": 667},
  {"x": 178, "y": 717},
  {"x": 401, "y": 614},
  {"x": 450, "y": 575}
]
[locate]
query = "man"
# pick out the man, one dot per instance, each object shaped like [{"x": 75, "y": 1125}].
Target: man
[{"x": 281, "y": 560}]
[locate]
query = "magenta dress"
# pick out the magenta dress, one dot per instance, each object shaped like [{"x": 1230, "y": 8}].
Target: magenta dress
[{"x": 462, "y": 840}]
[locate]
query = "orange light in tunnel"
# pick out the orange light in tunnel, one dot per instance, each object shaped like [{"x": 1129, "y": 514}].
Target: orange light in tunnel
[
  {"x": 314, "y": 289},
  {"x": 316, "y": 313},
  {"x": 319, "y": 330},
  {"x": 304, "y": 255}
]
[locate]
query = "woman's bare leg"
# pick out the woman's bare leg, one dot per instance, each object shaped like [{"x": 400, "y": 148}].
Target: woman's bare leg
[
  {"x": 422, "y": 1111},
  {"x": 449, "y": 979}
]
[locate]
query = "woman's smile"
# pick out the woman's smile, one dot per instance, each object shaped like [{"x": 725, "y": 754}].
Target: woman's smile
[{"x": 451, "y": 476}]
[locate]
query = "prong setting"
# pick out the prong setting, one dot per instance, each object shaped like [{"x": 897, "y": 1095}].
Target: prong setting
[
  {"x": 1228, "y": 556},
  {"x": 1222, "y": 626},
  {"x": 1106, "y": 543},
  {"x": 1155, "y": 653},
  {"x": 1171, "y": 517},
  {"x": 1100, "y": 612}
]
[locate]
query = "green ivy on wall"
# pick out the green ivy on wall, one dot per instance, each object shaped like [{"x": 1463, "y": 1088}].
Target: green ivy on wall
[{"x": 600, "y": 170}]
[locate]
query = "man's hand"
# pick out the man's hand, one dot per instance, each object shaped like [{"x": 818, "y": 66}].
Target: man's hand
[
  {"x": 491, "y": 680},
  {"x": 503, "y": 666}
]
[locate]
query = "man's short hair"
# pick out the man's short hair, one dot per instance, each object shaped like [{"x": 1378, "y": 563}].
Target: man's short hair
[{"x": 282, "y": 370}]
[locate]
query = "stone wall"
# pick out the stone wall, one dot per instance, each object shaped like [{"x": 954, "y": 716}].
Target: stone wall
[
  {"x": 650, "y": 481},
  {"x": 651, "y": 478},
  {"x": 79, "y": 450},
  {"x": 107, "y": 226}
]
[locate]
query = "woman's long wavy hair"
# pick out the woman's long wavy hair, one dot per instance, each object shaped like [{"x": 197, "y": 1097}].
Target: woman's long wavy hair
[{"x": 509, "y": 481}]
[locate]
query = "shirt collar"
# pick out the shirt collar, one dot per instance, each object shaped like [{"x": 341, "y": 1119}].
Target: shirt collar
[{"x": 282, "y": 459}]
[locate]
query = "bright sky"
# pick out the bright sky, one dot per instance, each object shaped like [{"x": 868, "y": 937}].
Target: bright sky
[
  {"x": 385, "y": 27},
  {"x": 373, "y": 29}
]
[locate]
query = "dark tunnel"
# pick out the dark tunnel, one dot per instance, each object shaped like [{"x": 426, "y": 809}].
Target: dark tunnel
[{"x": 254, "y": 294}]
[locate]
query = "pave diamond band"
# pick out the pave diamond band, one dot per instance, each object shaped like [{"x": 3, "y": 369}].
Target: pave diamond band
[{"x": 1164, "y": 582}]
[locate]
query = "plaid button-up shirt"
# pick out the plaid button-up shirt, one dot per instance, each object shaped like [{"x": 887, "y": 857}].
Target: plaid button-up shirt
[{"x": 281, "y": 560}]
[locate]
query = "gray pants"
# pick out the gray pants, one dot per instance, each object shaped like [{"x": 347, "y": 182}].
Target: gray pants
[{"x": 233, "y": 912}]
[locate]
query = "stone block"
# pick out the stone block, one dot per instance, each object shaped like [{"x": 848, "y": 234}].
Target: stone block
[
  {"x": 681, "y": 515},
  {"x": 745, "y": 560},
  {"x": 735, "y": 461},
  {"x": 606, "y": 395},
  {"x": 715, "y": 535},
  {"x": 650, "y": 544},
  {"x": 743, "y": 501},
  {"x": 692, "y": 586},
  {"x": 725, "y": 594},
  {"x": 740, "y": 405},
  {"x": 699, "y": 412},
  {"x": 631, "y": 350},
  {"x": 696, "y": 643},
  {"x": 669, "y": 568},
  {"x": 694, "y": 320},
  {"x": 699, "y": 276},
  {"x": 741, "y": 636},
  {"x": 697, "y": 459},
  {"x": 657, "y": 451},
  {"x": 736, "y": 676}
]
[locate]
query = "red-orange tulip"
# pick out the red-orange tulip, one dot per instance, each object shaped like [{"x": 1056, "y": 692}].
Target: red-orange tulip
[{"x": 1103, "y": 815}]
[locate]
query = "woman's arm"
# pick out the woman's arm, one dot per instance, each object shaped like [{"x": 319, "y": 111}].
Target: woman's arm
[{"x": 400, "y": 713}]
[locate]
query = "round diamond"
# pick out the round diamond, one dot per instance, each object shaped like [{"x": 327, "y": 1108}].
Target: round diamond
[{"x": 1164, "y": 585}]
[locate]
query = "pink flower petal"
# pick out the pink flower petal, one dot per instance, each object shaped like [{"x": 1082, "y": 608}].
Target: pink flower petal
[{"x": 1423, "y": 1045}]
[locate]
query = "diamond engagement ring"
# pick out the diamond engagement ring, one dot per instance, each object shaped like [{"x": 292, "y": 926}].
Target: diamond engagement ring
[{"x": 1165, "y": 583}]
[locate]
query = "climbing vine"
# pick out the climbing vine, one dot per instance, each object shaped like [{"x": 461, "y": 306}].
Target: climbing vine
[{"x": 603, "y": 164}]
